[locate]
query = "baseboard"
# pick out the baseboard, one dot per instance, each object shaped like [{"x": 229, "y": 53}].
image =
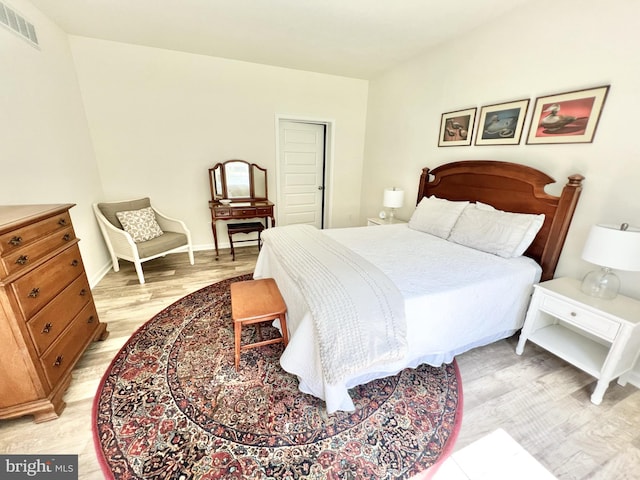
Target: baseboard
[
  {"x": 95, "y": 279},
  {"x": 106, "y": 268},
  {"x": 633, "y": 377}
]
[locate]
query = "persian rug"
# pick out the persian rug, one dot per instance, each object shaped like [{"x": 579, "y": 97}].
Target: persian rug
[{"x": 172, "y": 406}]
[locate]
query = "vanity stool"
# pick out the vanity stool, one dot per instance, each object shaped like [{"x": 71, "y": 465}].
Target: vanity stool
[
  {"x": 247, "y": 227},
  {"x": 257, "y": 301}
]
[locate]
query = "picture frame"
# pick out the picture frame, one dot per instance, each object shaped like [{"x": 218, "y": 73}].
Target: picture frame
[
  {"x": 502, "y": 123},
  {"x": 456, "y": 128},
  {"x": 570, "y": 117}
]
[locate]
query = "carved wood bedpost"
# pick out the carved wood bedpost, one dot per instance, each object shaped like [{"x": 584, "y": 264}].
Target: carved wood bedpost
[
  {"x": 424, "y": 179},
  {"x": 560, "y": 227}
]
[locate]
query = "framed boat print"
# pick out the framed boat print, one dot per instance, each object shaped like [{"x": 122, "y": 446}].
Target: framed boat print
[
  {"x": 570, "y": 117},
  {"x": 501, "y": 124},
  {"x": 456, "y": 128}
]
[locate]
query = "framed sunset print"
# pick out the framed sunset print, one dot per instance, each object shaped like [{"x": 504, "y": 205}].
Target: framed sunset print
[
  {"x": 456, "y": 128},
  {"x": 501, "y": 124},
  {"x": 570, "y": 117}
]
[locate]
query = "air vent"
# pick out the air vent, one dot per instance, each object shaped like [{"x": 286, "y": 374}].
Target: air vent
[{"x": 17, "y": 24}]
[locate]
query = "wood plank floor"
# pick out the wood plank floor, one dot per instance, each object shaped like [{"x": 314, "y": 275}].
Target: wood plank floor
[{"x": 539, "y": 400}]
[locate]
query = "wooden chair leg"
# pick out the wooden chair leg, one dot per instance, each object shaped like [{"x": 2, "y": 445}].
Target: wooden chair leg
[
  {"x": 237, "y": 330},
  {"x": 283, "y": 327}
]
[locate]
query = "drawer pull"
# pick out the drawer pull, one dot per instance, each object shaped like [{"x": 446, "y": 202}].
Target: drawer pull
[
  {"x": 22, "y": 260},
  {"x": 15, "y": 241},
  {"x": 573, "y": 314},
  {"x": 74, "y": 263},
  {"x": 62, "y": 222},
  {"x": 66, "y": 237},
  {"x": 47, "y": 327},
  {"x": 34, "y": 292},
  {"x": 90, "y": 319},
  {"x": 58, "y": 361},
  {"x": 83, "y": 292}
]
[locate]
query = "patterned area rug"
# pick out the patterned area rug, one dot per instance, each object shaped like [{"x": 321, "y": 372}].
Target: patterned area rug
[{"x": 171, "y": 406}]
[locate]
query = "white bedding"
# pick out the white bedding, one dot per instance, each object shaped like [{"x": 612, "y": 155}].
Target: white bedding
[{"x": 455, "y": 299}]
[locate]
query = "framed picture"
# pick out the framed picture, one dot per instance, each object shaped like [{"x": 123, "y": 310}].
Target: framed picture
[
  {"x": 501, "y": 124},
  {"x": 456, "y": 128},
  {"x": 570, "y": 117}
]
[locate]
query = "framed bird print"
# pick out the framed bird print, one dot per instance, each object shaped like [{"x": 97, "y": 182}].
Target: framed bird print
[
  {"x": 570, "y": 117},
  {"x": 456, "y": 128},
  {"x": 501, "y": 124}
]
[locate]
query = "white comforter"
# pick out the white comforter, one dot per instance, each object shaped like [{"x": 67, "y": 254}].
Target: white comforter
[
  {"x": 455, "y": 299},
  {"x": 340, "y": 285}
]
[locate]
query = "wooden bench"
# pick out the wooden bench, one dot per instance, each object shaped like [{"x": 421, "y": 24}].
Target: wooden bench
[
  {"x": 246, "y": 227},
  {"x": 257, "y": 301}
]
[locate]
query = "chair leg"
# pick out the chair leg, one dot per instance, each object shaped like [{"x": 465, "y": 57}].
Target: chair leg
[
  {"x": 190, "y": 252},
  {"x": 139, "y": 272},
  {"x": 237, "y": 330}
]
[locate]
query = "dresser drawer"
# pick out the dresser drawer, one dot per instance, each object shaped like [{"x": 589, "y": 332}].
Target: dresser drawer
[
  {"x": 243, "y": 212},
  {"x": 263, "y": 211},
  {"x": 223, "y": 212},
  {"x": 21, "y": 237},
  {"x": 26, "y": 256},
  {"x": 51, "y": 321},
  {"x": 580, "y": 317},
  {"x": 64, "y": 352},
  {"x": 39, "y": 286}
]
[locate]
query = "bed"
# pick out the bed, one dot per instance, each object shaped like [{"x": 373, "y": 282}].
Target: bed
[{"x": 367, "y": 302}]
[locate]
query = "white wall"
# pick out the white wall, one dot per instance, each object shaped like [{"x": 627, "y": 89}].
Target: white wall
[
  {"x": 545, "y": 48},
  {"x": 47, "y": 155},
  {"x": 159, "y": 119}
]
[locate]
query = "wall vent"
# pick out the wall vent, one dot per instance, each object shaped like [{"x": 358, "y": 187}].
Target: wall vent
[{"x": 17, "y": 24}]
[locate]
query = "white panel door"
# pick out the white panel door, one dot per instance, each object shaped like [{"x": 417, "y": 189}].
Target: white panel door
[{"x": 301, "y": 171}]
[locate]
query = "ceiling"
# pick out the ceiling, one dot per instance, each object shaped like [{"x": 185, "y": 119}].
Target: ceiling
[{"x": 353, "y": 38}]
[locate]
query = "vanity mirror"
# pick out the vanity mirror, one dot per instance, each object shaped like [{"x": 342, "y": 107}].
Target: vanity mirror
[{"x": 238, "y": 180}]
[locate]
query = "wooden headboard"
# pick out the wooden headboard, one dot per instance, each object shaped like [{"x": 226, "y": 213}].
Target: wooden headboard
[{"x": 514, "y": 188}]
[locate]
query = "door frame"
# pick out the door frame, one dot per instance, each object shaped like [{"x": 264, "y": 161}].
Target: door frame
[{"x": 330, "y": 125}]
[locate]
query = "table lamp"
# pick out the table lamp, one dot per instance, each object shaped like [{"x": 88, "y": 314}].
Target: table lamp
[
  {"x": 611, "y": 247},
  {"x": 393, "y": 198}
]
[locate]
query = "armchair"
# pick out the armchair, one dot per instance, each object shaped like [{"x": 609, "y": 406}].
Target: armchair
[{"x": 175, "y": 236}]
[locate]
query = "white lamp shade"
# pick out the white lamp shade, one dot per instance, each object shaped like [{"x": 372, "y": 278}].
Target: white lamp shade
[
  {"x": 608, "y": 246},
  {"x": 393, "y": 198}
]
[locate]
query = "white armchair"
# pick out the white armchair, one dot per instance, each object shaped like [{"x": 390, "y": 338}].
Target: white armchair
[{"x": 175, "y": 235}]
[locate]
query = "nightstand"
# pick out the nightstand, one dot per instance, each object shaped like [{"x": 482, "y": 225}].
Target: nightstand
[
  {"x": 600, "y": 337},
  {"x": 372, "y": 221}
]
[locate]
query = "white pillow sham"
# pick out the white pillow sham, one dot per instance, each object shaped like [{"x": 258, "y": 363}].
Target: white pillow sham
[
  {"x": 436, "y": 216},
  {"x": 140, "y": 224},
  {"x": 493, "y": 231}
]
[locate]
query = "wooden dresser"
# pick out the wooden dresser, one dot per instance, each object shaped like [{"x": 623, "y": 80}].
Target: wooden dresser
[{"x": 47, "y": 314}]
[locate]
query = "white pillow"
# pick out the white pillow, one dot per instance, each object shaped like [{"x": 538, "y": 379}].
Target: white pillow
[
  {"x": 140, "y": 224},
  {"x": 493, "y": 231},
  {"x": 530, "y": 236},
  {"x": 436, "y": 216}
]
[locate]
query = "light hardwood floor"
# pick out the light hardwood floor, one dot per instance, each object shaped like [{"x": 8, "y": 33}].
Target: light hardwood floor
[{"x": 539, "y": 400}]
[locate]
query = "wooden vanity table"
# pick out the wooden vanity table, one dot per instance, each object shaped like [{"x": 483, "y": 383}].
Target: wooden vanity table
[{"x": 238, "y": 192}]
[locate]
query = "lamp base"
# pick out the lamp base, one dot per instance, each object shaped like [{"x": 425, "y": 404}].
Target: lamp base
[{"x": 601, "y": 283}]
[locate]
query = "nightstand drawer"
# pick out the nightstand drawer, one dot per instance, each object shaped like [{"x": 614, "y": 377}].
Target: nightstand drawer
[{"x": 580, "y": 317}]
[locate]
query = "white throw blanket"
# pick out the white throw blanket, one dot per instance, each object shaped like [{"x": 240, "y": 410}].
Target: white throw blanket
[{"x": 358, "y": 313}]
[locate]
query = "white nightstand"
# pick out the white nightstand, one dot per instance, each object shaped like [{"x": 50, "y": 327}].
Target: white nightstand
[
  {"x": 371, "y": 221},
  {"x": 600, "y": 337}
]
